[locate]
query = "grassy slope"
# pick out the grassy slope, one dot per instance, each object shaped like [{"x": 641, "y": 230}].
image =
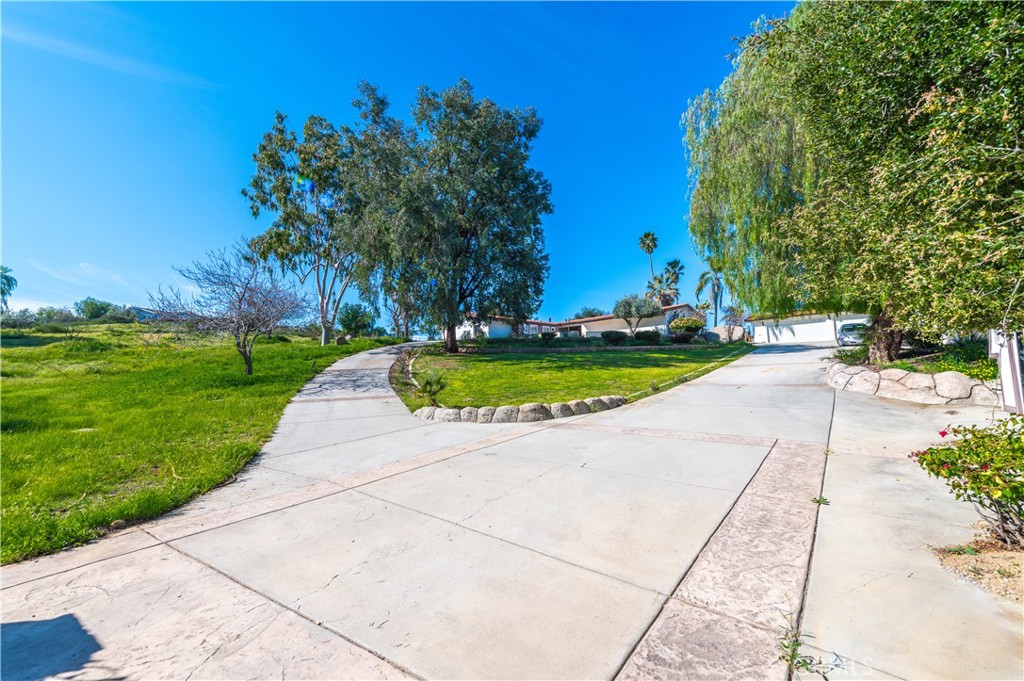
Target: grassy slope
[
  {"x": 111, "y": 427},
  {"x": 479, "y": 380}
]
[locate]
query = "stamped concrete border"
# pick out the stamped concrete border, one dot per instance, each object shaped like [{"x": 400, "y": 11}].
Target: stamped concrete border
[
  {"x": 948, "y": 387},
  {"x": 728, "y": 615}
]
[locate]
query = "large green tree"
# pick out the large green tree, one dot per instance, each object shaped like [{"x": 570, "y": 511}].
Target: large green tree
[
  {"x": 309, "y": 184},
  {"x": 472, "y": 209},
  {"x": 868, "y": 156}
]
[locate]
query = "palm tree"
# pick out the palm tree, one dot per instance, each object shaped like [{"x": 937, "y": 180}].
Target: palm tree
[
  {"x": 648, "y": 242},
  {"x": 673, "y": 270},
  {"x": 661, "y": 290},
  {"x": 656, "y": 288},
  {"x": 711, "y": 279}
]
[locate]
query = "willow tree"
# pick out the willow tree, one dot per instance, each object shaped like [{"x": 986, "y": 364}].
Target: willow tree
[{"x": 867, "y": 157}]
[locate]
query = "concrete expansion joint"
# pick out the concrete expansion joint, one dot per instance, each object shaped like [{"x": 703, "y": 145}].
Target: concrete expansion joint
[
  {"x": 757, "y": 625},
  {"x": 268, "y": 455},
  {"x": 285, "y": 606},
  {"x": 512, "y": 543}
]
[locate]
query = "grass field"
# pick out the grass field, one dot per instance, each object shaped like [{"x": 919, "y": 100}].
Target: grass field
[
  {"x": 493, "y": 380},
  {"x": 121, "y": 424}
]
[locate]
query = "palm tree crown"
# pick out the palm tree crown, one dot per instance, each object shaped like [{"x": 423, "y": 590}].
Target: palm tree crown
[
  {"x": 648, "y": 242},
  {"x": 712, "y": 279}
]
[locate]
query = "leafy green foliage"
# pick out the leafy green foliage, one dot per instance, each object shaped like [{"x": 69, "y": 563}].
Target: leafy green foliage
[
  {"x": 986, "y": 467},
  {"x": 432, "y": 383},
  {"x": 650, "y": 337},
  {"x": 356, "y": 319},
  {"x": 127, "y": 426},
  {"x": 91, "y": 309},
  {"x": 686, "y": 324},
  {"x": 634, "y": 309},
  {"x": 614, "y": 337},
  {"x": 822, "y": 140},
  {"x": 857, "y": 354},
  {"x": 310, "y": 186},
  {"x": 7, "y": 285},
  {"x": 585, "y": 312}
]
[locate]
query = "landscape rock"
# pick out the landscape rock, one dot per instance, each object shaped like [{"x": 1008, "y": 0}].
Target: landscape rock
[
  {"x": 425, "y": 412},
  {"x": 892, "y": 389},
  {"x": 579, "y": 407},
  {"x": 469, "y": 414},
  {"x": 839, "y": 380},
  {"x": 864, "y": 382},
  {"x": 484, "y": 414},
  {"x": 948, "y": 387},
  {"x": 613, "y": 401},
  {"x": 447, "y": 415},
  {"x": 953, "y": 385},
  {"x": 892, "y": 374},
  {"x": 533, "y": 411},
  {"x": 561, "y": 410},
  {"x": 725, "y": 334},
  {"x": 984, "y": 396},
  {"x": 596, "y": 404},
  {"x": 506, "y": 414},
  {"x": 916, "y": 380}
]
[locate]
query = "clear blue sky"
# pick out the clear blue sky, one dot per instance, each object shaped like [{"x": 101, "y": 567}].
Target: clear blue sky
[{"x": 128, "y": 128}]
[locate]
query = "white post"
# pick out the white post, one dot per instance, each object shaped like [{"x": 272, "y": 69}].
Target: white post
[{"x": 1007, "y": 351}]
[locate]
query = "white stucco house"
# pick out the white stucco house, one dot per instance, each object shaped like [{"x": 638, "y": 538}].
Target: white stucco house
[
  {"x": 800, "y": 328},
  {"x": 588, "y": 327}
]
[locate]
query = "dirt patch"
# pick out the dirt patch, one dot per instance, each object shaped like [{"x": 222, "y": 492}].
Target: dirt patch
[{"x": 990, "y": 565}]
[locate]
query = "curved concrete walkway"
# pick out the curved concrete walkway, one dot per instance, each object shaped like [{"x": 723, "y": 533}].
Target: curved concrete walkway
[{"x": 664, "y": 539}]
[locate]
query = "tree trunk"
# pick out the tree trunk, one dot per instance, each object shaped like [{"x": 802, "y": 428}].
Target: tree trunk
[
  {"x": 247, "y": 358},
  {"x": 885, "y": 339},
  {"x": 325, "y": 333},
  {"x": 451, "y": 344}
]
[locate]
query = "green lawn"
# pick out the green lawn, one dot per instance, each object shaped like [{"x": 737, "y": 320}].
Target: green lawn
[
  {"x": 122, "y": 424},
  {"x": 495, "y": 379}
]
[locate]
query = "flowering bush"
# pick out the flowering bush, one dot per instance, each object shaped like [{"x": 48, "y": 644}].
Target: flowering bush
[
  {"x": 986, "y": 467},
  {"x": 686, "y": 324}
]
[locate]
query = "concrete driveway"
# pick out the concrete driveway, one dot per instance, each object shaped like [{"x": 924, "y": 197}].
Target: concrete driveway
[{"x": 669, "y": 538}]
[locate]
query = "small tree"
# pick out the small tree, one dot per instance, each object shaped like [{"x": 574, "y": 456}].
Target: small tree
[
  {"x": 90, "y": 308},
  {"x": 734, "y": 315},
  {"x": 633, "y": 309},
  {"x": 355, "y": 319},
  {"x": 237, "y": 295}
]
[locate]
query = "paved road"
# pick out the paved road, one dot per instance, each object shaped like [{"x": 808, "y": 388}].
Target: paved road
[{"x": 663, "y": 539}]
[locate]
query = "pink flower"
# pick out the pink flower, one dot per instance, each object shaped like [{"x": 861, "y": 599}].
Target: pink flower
[{"x": 943, "y": 433}]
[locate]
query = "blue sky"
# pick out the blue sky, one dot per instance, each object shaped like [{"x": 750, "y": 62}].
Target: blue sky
[{"x": 128, "y": 128}]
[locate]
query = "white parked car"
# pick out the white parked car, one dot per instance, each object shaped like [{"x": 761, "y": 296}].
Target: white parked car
[{"x": 851, "y": 334}]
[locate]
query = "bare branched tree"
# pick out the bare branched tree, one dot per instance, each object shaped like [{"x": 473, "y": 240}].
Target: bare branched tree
[{"x": 236, "y": 295}]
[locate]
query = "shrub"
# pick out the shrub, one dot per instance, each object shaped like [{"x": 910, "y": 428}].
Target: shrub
[
  {"x": 986, "y": 467},
  {"x": 686, "y": 325},
  {"x": 431, "y": 384},
  {"x": 614, "y": 337},
  {"x": 857, "y": 354},
  {"x": 652, "y": 337},
  {"x": 549, "y": 335},
  {"x": 680, "y": 338}
]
